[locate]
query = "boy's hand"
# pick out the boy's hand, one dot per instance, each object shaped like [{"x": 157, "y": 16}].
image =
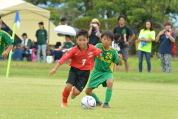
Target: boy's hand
[
  {"x": 4, "y": 54},
  {"x": 120, "y": 57},
  {"x": 125, "y": 35},
  {"x": 100, "y": 55},
  {"x": 161, "y": 33},
  {"x": 167, "y": 34},
  {"x": 52, "y": 72},
  {"x": 126, "y": 43}
]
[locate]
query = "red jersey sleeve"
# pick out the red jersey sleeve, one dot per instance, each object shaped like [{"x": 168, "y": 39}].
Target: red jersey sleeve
[
  {"x": 97, "y": 51},
  {"x": 66, "y": 56}
]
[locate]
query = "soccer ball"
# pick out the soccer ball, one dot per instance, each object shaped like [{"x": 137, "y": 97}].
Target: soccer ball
[{"x": 88, "y": 102}]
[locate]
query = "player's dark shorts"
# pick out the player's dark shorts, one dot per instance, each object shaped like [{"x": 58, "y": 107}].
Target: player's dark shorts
[{"x": 78, "y": 78}]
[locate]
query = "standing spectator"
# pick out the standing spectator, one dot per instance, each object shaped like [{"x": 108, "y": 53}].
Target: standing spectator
[
  {"x": 117, "y": 44},
  {"x": 41, "y": 35},
  {"x": 146, "y": 36},
  {"x": 94, "y": 32},
  {"x": 122, "y": 29},
  {"x": 166, "y": 37},
  {"x": 63, "y": 21}
]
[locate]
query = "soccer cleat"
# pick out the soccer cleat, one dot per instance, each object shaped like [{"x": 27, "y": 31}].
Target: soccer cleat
[
  {"x": 64, "y": 105},
  {"x": 106, "y": 105},
  {"x": 72, "y": 95},
  {"x": 99, "y": 103}
]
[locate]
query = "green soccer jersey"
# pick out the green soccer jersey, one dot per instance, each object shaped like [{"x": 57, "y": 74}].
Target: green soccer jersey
[
  {"x": 5, "y": 40},
  {"x": 106, "y": 62}
]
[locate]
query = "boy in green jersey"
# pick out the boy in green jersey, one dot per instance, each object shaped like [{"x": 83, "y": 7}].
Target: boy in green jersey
[
  {"x": 6, "y": 42},
  {"x": 103, "y": 70}
]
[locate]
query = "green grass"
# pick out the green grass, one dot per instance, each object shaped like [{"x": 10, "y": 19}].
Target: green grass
[{"x": 29, "y": 93}]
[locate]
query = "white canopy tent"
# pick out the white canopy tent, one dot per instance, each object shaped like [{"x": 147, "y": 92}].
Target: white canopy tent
[{"x": 30, "y": 16}]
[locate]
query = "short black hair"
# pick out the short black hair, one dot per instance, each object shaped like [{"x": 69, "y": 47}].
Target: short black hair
[
  {"x": 82, "y": 32},
  {"x": 57, "y": 44},
  {"x": 121, "y": 16},
  {"x": 41, "y": 23},
  {"x": 24, "y": 34},
  {"x": 68, "y": 36},
  {"x": 63, "y": 19},
  {"x": 116, "y": 36},
  {"x": 108, "y": 33}
]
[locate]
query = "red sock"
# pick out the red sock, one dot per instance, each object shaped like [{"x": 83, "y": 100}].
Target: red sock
[{"x": 65, "y": 95}]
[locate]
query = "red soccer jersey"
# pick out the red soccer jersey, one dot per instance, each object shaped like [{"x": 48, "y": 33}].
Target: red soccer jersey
[{"x": 81, "y": 59}]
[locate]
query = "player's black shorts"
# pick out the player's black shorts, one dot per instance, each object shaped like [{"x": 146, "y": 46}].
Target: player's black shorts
[{"x": 78, "y": 78}]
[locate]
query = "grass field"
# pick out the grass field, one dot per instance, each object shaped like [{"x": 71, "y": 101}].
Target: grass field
[{"x": 29, "y": 93}]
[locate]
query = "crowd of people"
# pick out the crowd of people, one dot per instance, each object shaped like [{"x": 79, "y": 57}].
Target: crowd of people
[{"x": 123, "y": 36}]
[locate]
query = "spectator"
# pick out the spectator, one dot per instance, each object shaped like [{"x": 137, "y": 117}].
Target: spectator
[
  {"x": 166, "y": 37},
  {"x": 118, "y": 44},
  {"x": 23, "y": 49},
  {"x": 122, "y": 29},
  {"x": 41, "y": 35},
  {"x": 63, "y": 21},
  {"x": 94, "y": 32},
  {"x": 68, "y": 44},
  {"x": 146, "y": 36},
  {"x": 57, "y": 53}
]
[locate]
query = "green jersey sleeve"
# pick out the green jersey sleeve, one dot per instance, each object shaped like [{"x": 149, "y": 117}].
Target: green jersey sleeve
[
  {"x": 115, "y": 57},
  {"x": 7, "y": 39}
]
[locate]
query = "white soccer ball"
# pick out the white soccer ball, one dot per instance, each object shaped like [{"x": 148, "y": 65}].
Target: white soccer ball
[{"x": 88, "y": 102}]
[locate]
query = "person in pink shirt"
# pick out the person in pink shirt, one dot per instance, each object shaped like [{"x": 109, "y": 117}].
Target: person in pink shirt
[{"x": 81, "y": 62}]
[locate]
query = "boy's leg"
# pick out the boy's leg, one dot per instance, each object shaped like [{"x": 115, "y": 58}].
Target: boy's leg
[
  {"x": 65, "y": 94},
  {"x": 88, "y": 91},
  {"x": 108, "y": 93},
  {"x": 75, "y": 92}
]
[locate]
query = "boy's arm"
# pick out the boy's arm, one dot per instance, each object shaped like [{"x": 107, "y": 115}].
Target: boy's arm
[
  {"x": 8, "y": 41},
  {"x": 54, "y": 69},
  {"x": 117, "y": 58},
  {"x": 6, "y": 52},
  {"x": 66, "y": 56},
  {"x": 131, "y": 34},
  {"x": 97, "y": 51}
]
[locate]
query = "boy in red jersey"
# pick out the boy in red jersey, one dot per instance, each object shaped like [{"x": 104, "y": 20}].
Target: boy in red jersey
[{"x": 82, "y": 61}]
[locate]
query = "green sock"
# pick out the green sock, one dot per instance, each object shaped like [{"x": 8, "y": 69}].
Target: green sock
[
  {"x": 96, "y": 98},
  {"x": 108, "y": 95}
]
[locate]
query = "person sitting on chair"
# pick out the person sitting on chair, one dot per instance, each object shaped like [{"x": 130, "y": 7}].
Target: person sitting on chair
[
  {"x": 68, "y": 44},
  {"x": 23, "y": 49}
]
